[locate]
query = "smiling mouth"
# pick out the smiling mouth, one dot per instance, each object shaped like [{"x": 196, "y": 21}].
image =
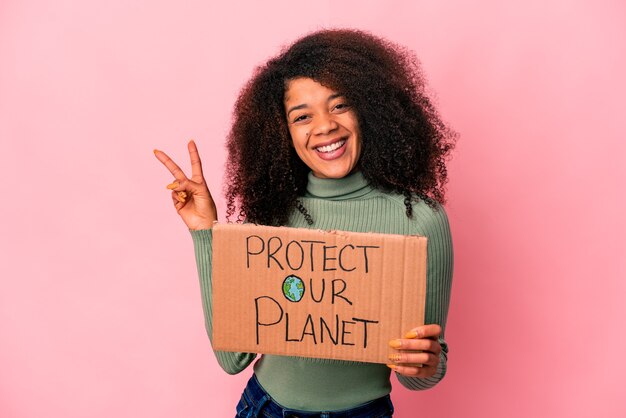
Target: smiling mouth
[{"x": 331, "y": 147}]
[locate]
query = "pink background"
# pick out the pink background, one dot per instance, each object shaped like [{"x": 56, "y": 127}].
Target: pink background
[{"x": 100, "y": 313}]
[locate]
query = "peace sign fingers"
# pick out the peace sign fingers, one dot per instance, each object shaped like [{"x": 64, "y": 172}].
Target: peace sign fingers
[
  {"x": 191, "y": 198},
  {"x": 196, "y": 164},
  {"x": 171, "y": 165}
]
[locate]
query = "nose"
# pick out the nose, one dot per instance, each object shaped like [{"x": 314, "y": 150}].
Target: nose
[{"x": 325, "y": 124}]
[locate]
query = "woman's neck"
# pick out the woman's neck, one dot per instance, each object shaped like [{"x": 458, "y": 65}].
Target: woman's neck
[{"x": 352, "y": 186}]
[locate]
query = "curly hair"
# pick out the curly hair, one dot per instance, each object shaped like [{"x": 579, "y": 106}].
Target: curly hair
[{"x": 405, "y": 143}]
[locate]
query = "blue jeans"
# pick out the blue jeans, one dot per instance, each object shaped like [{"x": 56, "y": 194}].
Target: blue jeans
[{"x": 256, "y": 403}]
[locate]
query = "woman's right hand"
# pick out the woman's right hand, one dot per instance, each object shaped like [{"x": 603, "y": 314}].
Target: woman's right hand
[{"x": 191, "y": 197}]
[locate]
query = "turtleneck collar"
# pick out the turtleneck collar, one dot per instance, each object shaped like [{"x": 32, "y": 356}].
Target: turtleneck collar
[{"x": 349, "y": 187}]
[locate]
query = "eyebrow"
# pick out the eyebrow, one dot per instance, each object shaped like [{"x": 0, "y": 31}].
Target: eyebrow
[{"x": 304, "y": 105}]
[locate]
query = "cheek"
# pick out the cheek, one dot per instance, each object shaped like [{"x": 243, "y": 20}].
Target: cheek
[
  {"x": 352, "y": 122},
  {"x": 292, "y": 137},
  {"x": 299, "y": 137},
  {"x": 355, "y": 125}
]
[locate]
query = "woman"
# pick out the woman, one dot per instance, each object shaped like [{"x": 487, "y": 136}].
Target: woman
[{"x": 336, "y": 132}]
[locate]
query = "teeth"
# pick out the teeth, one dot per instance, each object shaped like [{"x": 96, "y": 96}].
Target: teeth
[{"x": 331, "y": 147}]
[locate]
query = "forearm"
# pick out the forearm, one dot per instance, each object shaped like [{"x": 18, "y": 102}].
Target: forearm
[
  {"x": 438, "y": 287},
  {"x": 231, "y": 362}
]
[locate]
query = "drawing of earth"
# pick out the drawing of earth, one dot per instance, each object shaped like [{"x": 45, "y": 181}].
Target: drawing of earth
[{"x": 293, "y": 288}]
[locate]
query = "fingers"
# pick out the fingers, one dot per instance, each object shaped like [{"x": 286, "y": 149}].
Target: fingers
[
  {"x": 196, "y": 164},
  {"x": 181, "y": 197},
  {"x": 414, "y": 371},
  {"x": 418, "y": 352},
  {"x": 414, "y": 358},
  {"x": 424, "y": 331},
  {"x": 188, "y": 187},
  {"x": 182, "y": 183},
  {"x": 422, "y": 344},
  {"x": 179, "y": 202},
  {"x": 410, "y": 362},
  {"x": 171, "y": 165}
]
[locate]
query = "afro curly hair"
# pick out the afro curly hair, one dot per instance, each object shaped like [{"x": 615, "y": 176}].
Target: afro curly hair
[{"x": 405, "y": 143}]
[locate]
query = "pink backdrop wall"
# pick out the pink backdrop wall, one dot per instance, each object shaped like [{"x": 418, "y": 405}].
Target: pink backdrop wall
[{"x": 100, "y": 313}]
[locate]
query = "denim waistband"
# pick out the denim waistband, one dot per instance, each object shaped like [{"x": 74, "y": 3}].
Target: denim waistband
[{"x": 255, "y": 402}]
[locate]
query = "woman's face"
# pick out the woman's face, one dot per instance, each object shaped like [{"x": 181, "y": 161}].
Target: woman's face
[{"x": 323, "y": 127}]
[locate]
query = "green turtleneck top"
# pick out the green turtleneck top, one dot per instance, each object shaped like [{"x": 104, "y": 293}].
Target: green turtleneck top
[{"x": 348, "y": 204}]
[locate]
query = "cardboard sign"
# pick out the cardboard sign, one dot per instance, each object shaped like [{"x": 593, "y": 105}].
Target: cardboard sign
[{"x": 310, "y": 293}]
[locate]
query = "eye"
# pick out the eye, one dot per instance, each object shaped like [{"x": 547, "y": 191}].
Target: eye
[
  {"x": 300, "y": 118},
  {"x": 341, "y": 107}
]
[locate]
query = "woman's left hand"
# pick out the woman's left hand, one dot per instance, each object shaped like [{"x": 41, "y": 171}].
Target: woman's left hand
[{"x": 418, "y": 352}]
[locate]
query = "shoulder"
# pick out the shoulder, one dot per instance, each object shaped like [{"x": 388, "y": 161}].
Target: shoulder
[
  {"x": 427, "y": 219},
  {"x": 430, "y": 219}
]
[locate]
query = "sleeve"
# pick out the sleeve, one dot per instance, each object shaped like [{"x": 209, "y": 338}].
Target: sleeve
[
  {"x": 434, "y": 225},
  {"x": 231, "y": 362}
]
